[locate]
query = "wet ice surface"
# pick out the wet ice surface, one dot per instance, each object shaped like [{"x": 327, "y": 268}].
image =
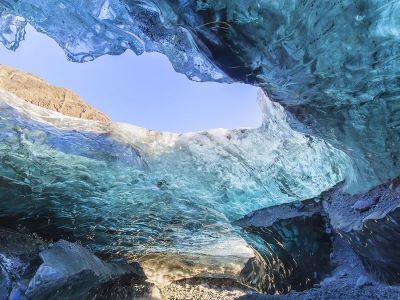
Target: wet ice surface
[
  {"x": 332, "y": 64},
  {"x": 125, "y": 189}
]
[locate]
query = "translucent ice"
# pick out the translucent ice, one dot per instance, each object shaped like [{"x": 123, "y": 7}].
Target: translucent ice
[
  {"x": 332, "y": 64},
  {"x": 122, "y": 188}
]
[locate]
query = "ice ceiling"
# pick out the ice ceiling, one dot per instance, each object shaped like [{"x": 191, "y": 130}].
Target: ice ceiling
[{"x": 333, "y": 65}]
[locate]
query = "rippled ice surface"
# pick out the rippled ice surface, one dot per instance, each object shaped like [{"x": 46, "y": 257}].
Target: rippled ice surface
[
  {"x": 123, "y": 188},
  {"x": 334, "y": 65}
]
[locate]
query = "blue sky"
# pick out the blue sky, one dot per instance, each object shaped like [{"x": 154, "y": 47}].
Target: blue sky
[{"x": 141, "y": 90}]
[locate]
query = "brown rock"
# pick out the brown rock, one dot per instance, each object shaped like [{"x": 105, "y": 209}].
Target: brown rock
[{"x": 36, "y": 91}]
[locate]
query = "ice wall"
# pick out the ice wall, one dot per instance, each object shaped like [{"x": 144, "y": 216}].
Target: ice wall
[{"x": 122, "y": 188}]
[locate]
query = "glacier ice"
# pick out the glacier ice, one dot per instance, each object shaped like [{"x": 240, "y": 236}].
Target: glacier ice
[
  {"x": 70, "y": 271},
  {"x": 12, "y": 30},
  {"x": 331, "y": 69},
  {"x": 89, "y": 29},
  {"x": 125, "y": 189},
  {"x": 332, "y": 64}
]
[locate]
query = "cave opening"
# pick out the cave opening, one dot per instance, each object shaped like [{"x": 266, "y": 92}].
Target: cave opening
[
  {"x": 307, "y": 204},
  {"x": 141, "y": 90}
]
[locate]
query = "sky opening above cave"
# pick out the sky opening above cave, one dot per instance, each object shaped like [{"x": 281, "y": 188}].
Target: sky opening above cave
[{"x": 141, "y": 90}]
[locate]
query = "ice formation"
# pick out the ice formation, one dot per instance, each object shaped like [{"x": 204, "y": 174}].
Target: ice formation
[
  {"x": 333, "y": 65},
  {"x": 125, "y": 188},
  {"x": 331, "y": 69}
]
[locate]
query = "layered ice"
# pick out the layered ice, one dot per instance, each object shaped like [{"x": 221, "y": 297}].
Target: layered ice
[
  {"x": 332, "y": 64},
  {"x": 328, "y": 71},
  {"x": 120, "y": 188}
]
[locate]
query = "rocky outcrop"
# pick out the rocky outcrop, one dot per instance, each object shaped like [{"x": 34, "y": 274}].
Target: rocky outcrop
[
  {"x": 364, "y": 230},
  {"x": 348, "y": 281},
  {"x": 32, "y": 269},
  {"x": 36, "y": 91},
  {"x": 19, "y": 258},
  {"x": 370, "y": 223},
  {"x": 297, "y": 244},
  {"x": 72, "y": 272}
]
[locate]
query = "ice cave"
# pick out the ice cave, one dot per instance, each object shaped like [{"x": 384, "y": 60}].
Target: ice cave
[{"x": 307, "y": 206}]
